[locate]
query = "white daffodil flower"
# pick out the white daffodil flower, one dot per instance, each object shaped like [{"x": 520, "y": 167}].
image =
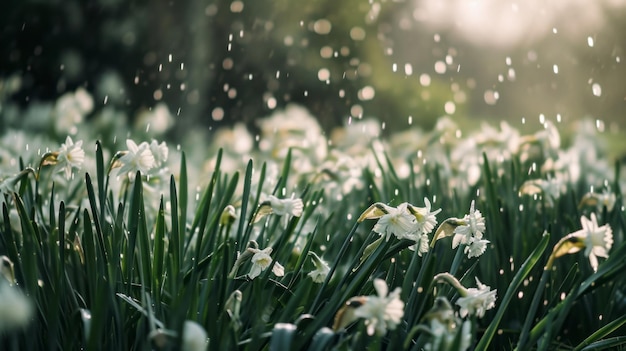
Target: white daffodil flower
[
  {"x": 473, "y": 227},
  {"x": 422, "y": 244},
  {"x": 426, "y": 219},
  {"x": 136, "y": 158},
  {"x": 397, "y": 221},
  {"x": 383, "y": 312},
  {"x": 598, "y": 239},
  {"x": 476, "y": 301},
  {"x": 261, "y": 260},
  {"x": 70, "y": 156},
  {"x": 159, "y": 152},
  {"x": 321, "y": 268},
  {"x": 475, "y": 247},
  {"x": 290, "y": 206}
]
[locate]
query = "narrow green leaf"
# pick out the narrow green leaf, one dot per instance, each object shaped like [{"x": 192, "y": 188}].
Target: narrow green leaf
[{"x": 519, "y": 277}]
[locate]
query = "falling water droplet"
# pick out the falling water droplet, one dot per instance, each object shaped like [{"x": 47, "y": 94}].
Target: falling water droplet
[{"x": 596, "y": 89}]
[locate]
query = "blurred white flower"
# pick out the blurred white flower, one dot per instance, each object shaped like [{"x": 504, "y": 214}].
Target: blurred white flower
[
  {"x": 16, "y": 309},
  {"x": 473, "y": 225},
  {"x": 598, "y": 239},
  {"x": 194, "y": 337},
  {"x": 476, "y": 301},
  {"x": 261, "y": 260},
  {"x": 157, "y": 119},
  {"x": 290, "y": 206},
  {"x": 383, "y": 312},
  {"x": 136, "y": 158},
  {"x": 599, "y": 200},
  {"x": 159, "y": 152},
  {"x": 70, "y": 109},
  {"x": 71, "y": 155},
  {"x": 321, "y": 268}
]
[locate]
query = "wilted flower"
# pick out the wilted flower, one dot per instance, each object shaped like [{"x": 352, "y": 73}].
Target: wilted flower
[
  {"x": 321, "y": 268},
  {"x": 71, "y": 155},
  {"x": 194, "y": 337},
  {"x": 261, "y": 260},
  {"x": 136, "y": 158},
  {"x": 383, "y": 312}
]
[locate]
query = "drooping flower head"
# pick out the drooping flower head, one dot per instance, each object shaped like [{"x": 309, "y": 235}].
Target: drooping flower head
[
  {"x": 321, "y": 268},
  {"x": 261, "y": 260}
]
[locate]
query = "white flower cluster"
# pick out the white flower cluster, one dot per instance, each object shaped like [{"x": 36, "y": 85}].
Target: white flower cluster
[{"x": 404, "y": 222}]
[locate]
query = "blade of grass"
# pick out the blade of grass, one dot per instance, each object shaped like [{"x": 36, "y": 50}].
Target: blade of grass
[{"x": 519, "y": 277}]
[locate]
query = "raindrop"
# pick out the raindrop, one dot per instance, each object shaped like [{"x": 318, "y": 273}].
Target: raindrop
[
  {"x": 326, "y": 52},
  {"x": 322, "y": 26},
  {"x": 600, "y": 128},
  {"x": 440, "y": 67},
  {"x": 520, "y": 295},
  {"x": 491, "y": 97},
  {"x": 169, "y": 58},
  {"x": 408, "y": 69},
  {"x": 590, "y": 42},
  {"x": 217, "y": 114},
  {"x": 394, "y": 67},
  {"x": 323, "y": 74},
  {"x": 511, "y": 74},
  {"x": 554, "y": 30},
  {"x": 596, "y": 89},
  {"x": 424, "y": 79},
  {"x": 555, "y": 69},
  {"x": 507, "y": 60},
  {"x": 449, "y": 107},
  {"x": 236, "y": 6},
  {"x": 410, "y": 120},
  {"x": 367, "y": 93},
  {"x": 357, "y": 33}
]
